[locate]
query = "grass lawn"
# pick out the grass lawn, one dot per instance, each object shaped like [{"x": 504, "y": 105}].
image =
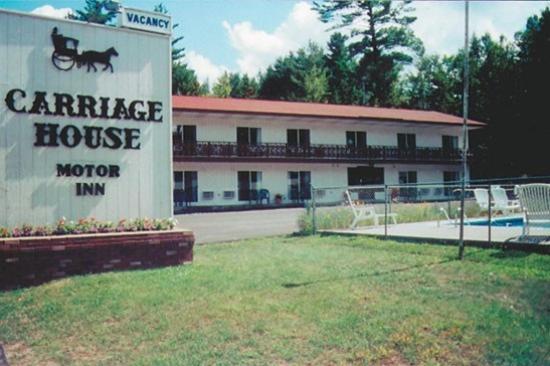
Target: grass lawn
[{"x": 296, "y": 300}]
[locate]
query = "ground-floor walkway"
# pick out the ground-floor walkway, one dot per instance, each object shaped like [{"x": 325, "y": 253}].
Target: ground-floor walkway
[{"x": 226, "y": 226}]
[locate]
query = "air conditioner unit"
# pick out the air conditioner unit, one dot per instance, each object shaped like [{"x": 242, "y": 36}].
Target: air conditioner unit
[{"x": 207, "y": 195}]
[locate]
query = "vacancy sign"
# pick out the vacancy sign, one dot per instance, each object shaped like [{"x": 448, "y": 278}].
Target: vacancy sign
[{"x": 145, "y": 21}]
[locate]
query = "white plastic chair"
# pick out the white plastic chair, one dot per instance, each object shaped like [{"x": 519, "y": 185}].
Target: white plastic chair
[
  {"x": 482, "y": 198},
  {"x": 365, "y": 212},
  {"x": 534, "y": 200},
  {"x": 501, "y": 201}
]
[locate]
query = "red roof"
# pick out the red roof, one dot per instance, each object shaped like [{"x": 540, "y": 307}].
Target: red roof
[{"x": 271, "y": 107}]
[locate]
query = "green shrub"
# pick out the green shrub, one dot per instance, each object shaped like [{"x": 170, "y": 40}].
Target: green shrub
[
  {"x": 326, "y": 218},
  {"x": 342, "y": 217}
]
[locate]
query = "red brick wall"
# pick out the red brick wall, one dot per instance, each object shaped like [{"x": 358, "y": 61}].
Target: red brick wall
[{"x": 35, "y": 260}]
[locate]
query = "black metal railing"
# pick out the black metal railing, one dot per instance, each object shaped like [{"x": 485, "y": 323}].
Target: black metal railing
[{"x": 220, "y": 150}]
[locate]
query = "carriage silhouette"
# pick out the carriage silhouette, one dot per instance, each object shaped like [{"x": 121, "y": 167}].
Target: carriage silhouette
[{"x": 65, "y": 54}]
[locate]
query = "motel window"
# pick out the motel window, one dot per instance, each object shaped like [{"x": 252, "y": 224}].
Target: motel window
[
  {"x": 408, "y": 193},
  {"x": 185, "y": 187},
  {"x": 449, "y": 142},
  {"x": 406, "y": 141},
  {"x": 189, "y": 134},
  {"x": 299, "y": 185},
  {"x": 177, "y": 134},
  {"x": 356, "y": 139},
  {"x": 448, "y": 178},
  {"x": 249, "y": 184},
  {"x": 407, "y": 177},
  {"x": 184, "y": 134},
  {"x": 248, "y": 135},
  {"x": 297, "y": 138},
  {"x": 365, "y": 175}
]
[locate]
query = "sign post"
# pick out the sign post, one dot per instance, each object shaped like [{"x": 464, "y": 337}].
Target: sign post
[{"x": 464, "y": 133}]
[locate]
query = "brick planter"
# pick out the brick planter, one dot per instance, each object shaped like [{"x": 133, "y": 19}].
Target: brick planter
[{"x": 35, "y": 260}]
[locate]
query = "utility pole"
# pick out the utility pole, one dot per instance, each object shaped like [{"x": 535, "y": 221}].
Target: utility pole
[{"x": 464, "y": 131}]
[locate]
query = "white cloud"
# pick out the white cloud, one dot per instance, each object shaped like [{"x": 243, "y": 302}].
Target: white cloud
[
  {"x": 258, "y": 48},
  {"x": 206, "y": 70},
  {"x": 440, "y": 24},
  {"x": 50, "y": 11}
]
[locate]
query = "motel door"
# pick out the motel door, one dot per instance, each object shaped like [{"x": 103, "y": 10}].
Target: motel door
[
  {"x": 365, "y": 175},
  {"x": 299, "y": 185},
  {"x": 184, "y": 134},
  {"x": 185, "y": 188},
  {"x": 249, "y": 185}
]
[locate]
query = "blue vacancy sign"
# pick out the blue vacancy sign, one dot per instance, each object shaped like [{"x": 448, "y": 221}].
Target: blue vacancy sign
[{"x": 145, "y": 20}]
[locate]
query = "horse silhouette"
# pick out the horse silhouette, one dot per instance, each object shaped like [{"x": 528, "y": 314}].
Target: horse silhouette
[{"x": 90, "y": 58}]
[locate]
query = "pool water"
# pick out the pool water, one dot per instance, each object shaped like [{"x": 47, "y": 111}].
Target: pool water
[
  {"x": 503, "y": 221},
  {"x": 511, "y": 221}
]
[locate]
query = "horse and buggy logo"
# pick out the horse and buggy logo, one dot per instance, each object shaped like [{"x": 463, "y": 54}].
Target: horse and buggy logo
[{"x": 65, "y": 54}]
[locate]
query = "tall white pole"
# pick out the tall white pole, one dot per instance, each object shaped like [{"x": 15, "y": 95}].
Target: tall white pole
[{"x": 464, "y": 130}]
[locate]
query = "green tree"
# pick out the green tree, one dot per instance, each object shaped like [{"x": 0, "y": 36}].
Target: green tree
[
  {"x": 493, "y": 99},
  {"x": 243, "y": 86},
  {"x": 222, "y": 88},
  {"x": 315, "y": 84},
  {"x": 185, "y": 82},
  {"x": 534, "y": 60},
  {"x": 431, "y": 86},
  {"x": 382, "y": 40},
  {"x": 177, "y": 52},
  {"x": 300, "y": 76},
  {"x": 95, "y": 11},
  {"x": 341, "y": 69}
]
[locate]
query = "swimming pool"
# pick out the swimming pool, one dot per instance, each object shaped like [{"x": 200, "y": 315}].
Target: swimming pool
[{"x": 508, "y": 221}]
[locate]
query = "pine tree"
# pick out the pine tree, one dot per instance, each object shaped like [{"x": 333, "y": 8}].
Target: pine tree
[
  {"x": 95, "y": 11},
  {"x": 381, "y": 37}
]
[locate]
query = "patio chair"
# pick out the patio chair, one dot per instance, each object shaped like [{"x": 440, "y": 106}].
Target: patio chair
[
  {"x": 264, "y": 195},
  {"x": 365, "y": 212},
  {"x": 534, "y": 200},
  {"x": 482, "y": 198},
  {"x": 502, "y": 202}
]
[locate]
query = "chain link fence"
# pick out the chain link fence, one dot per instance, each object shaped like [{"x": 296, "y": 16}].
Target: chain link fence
[{"x": 494, "y": 211}]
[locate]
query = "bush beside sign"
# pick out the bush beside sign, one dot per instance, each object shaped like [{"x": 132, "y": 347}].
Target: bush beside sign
[{"x": 35, "y": 260}]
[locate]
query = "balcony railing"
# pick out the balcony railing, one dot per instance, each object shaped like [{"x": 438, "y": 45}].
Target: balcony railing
[{"x": 313, "y": 153}]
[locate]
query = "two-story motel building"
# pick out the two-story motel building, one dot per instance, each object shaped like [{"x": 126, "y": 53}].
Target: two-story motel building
[{"x": 236, "y": 151}]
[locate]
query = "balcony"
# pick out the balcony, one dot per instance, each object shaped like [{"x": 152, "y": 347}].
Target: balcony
[{"x": 231, "y": 151}]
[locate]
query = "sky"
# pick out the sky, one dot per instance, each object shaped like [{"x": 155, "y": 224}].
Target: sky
[{"x": 248, "y": 35}]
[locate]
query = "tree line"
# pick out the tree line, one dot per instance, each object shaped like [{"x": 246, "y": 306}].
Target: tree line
[{"x": 375, "y": 59}]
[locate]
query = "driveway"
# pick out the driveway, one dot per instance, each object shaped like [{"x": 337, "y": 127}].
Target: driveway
[{"x": 226, "y": 226}]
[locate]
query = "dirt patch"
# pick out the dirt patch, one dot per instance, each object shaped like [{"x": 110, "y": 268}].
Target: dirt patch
[
  {"x": 20, "y": 354},
  {"x": 395, "y": 359}
]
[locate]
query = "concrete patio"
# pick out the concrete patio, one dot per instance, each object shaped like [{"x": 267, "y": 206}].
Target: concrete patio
[{"x": 447, "y": 231}]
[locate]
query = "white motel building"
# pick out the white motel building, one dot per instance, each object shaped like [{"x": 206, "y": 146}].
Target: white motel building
[
  {"x": 242, "y": 152},
  {"x": 87, "y": 119}
]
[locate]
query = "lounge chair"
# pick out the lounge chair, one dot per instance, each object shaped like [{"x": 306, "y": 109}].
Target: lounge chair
[
  {"x": 534, "y": 200},
  {"x": 482, "y": 198},
  {"x": 502, "y": 202},
  {"x": 365, "y": 212}
]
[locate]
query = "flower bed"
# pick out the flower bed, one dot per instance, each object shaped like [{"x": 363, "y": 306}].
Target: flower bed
[
  {"x": 27, "y": 261},
  {"x": 88, "y": 226}
]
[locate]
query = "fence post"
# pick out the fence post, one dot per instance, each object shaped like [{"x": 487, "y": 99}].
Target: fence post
[
  {"x": 313, "y": 211},
  {"x": 489, "y": 213},
  {"x": 385, "y": 210}
]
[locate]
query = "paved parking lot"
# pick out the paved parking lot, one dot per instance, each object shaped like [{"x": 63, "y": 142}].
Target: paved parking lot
[{"x": 226, "y": 226}]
